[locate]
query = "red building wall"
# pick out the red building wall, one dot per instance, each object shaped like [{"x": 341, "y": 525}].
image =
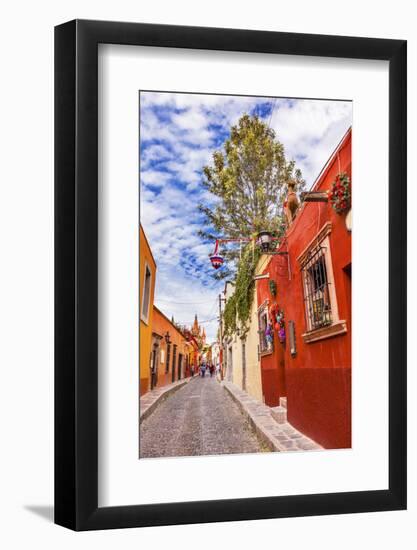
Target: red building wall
[
  {"x": 272, "y": 364},
  {"x": 317, "y": 380}
]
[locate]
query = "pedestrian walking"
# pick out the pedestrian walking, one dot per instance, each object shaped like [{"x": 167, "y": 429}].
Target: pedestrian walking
[
  {"x": 203, "y": 370},
  {"x": 211, "y": 369}
]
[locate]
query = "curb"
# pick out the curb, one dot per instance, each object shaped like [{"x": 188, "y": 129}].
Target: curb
[
  {"x": 278, "y": 437},
  {"x": 148, "y": 410}
]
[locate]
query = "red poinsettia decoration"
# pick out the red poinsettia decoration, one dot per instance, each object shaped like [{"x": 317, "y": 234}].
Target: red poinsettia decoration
[{"x": 340, "y": 195}]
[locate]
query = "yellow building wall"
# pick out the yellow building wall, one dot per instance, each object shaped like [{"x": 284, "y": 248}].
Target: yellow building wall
[
  {"x": 254, "y": 380},
  {"x": 253, "y": 365},
  {"x": 145, "y": 330},
  {"x": 237, "y": 367}
]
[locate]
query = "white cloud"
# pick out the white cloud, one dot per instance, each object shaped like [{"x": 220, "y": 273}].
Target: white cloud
[
  {"x": 154, "y": 177},
  {"x": 154, "y": 153},
  {"x": 310, "y": 131},
  {"x": 179, "y": 133}
]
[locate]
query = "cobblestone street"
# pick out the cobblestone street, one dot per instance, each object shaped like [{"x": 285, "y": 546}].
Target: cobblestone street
[{"x": 198, "y": 419}]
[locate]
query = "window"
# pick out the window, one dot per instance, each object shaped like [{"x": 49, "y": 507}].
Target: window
[
  {"x": 320, "y": 302},
  {"x": 316, "y": 290},
  {"x": 146, "y": 296},
  {"x": 265, "y": 330}
]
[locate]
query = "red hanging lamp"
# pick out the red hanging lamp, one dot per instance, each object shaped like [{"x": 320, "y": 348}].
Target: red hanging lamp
[{"x": 215, "y": 258}]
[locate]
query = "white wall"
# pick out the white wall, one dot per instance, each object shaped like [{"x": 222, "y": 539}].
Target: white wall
[{"x": 26, "y": 304}]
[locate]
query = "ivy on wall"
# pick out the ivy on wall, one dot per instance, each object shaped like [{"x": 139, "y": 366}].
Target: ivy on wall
[{"x": 237, "y": 310}]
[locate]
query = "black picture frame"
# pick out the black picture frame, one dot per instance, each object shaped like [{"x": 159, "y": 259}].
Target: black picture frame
[{"x": 76, "y": 272}]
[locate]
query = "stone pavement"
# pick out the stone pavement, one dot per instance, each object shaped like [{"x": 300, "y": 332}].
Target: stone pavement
[
  {"x": 276, "y": 436},
  {"x": 198, "y": 419},
  {"x": 149, "y": 401}
]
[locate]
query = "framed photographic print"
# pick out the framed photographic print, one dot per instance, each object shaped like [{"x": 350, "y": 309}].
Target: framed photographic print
[{"x": 230, "y": 338}]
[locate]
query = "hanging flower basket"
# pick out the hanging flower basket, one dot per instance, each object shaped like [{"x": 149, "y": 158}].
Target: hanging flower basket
[
  {"x": 278, "y": 317},
  {"x": 273, "y": 310},
  {"x": 340, "y": 194}
]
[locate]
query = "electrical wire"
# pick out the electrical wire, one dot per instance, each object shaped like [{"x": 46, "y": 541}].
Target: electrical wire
[{"x": 183, "y": 303}]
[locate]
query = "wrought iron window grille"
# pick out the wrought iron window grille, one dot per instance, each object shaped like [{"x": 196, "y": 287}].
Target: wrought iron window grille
[{"x": 317, "y": 302}]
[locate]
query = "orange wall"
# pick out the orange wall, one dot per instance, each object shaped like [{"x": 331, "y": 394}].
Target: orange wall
[
  {"x": 160, "y": 325},
  {"x": 145, "y": 332}
]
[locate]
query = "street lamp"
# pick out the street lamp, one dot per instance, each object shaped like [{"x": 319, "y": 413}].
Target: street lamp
[
  {"x": 216, "y": 261},
  {"x": 215, "y": 258},
  {"x": 264, "y": 240},
  {"x": 167, "y": 337}
]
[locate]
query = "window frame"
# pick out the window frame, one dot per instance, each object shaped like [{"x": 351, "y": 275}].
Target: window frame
[
  {"x": 316, "y": 287},
  {"x": 336, "y": 326},
  {"x": 263, "y": 348},
  {"x": 145, "y": 317}
]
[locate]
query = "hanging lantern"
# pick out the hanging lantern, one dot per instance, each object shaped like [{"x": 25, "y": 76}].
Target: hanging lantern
[
  {"x": 264, "y": 240},
  {"x": 215, "y": 258},
  {"x": 216, "y": 261}
]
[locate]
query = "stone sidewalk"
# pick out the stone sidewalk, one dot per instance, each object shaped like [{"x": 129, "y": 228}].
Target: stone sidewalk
[
  {"x": 276, "y": 436},
  {"x": 149, "y": 401}
]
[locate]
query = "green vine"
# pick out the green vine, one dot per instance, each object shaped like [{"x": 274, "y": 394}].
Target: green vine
[
  {"x": 238, "y": 306},
  {"x": 229, "y": 316}
]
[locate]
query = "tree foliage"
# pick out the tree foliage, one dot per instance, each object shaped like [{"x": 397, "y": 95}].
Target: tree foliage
[{"x": 247, "y": 179}]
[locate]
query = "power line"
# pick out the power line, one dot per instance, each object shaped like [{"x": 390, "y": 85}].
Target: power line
[
  {"x": 208, "y": 320},
  {"x": 184, "y": 303},
  {"x": 273, "y": 103},
  {"x": 199, "y": 322}
]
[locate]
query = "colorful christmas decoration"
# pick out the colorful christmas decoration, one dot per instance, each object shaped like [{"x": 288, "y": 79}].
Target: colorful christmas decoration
[
  {"x": 278, "y": 319},
  {"x": 279, "y": 316},
  {"x": 273, "y": 310},
  {"x": 340, "y": 194},
  {"x": 269, "y": 335}
]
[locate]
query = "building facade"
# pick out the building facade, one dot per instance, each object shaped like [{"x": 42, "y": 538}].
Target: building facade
[
  {"x": 170, "y": 351},
  {"x": 305, "y": 325},
  {"x": 241, "y": 355},
  {"x": 147, "y": 276}
]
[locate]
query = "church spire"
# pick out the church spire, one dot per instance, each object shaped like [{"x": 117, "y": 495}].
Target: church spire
[{"x": 196, "y": 328}]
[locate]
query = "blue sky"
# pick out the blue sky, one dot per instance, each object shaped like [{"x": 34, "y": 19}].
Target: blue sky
[{"x": 178, "y": 134}]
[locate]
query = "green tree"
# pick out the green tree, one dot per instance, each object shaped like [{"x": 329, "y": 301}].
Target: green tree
[{"x": 247, "y": 179}]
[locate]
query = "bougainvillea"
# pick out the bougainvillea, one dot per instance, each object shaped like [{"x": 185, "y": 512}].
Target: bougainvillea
[{"x": 340, "y": 194}]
